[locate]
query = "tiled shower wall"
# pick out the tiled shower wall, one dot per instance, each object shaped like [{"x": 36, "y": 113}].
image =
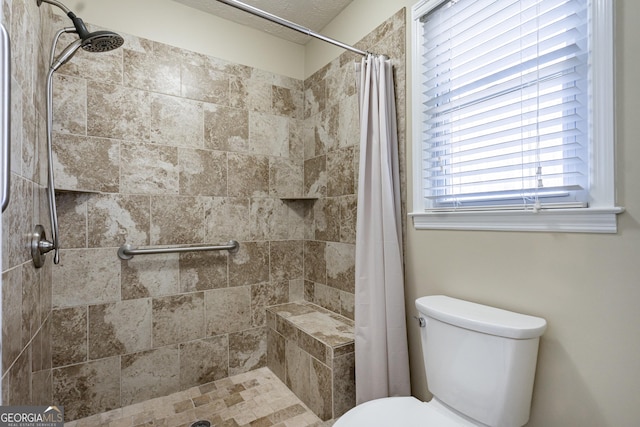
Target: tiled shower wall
[
  {"x": 26, "y": 291},
  {"x": 331, "y": 153},
  {"x": 162, "y": 146}
]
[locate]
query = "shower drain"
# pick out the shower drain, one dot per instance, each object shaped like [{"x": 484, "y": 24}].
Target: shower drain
[{"x": 203, "y": 423}]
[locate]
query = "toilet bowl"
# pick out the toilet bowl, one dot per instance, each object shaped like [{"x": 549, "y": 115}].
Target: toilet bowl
[
  {"x": 401, "y": 412},
  {"x": 480, "y": 363}
]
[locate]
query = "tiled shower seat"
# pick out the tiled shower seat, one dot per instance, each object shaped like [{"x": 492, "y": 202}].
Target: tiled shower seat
[{"x": 311, "y": 350}]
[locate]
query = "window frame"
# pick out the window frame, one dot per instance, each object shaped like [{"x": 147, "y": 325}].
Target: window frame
[{"x": 601, "y": 214}]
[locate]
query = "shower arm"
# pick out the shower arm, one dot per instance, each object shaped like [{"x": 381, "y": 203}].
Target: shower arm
[
  {"x": 65, "y": 9},
  {"x": 80, "y": 27}
]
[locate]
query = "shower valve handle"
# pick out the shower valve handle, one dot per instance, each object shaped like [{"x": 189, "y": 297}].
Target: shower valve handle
[{"x": 40, "y": 246}]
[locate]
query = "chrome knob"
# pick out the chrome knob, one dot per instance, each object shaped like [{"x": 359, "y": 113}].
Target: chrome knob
[{"x": 40, "y": 246}]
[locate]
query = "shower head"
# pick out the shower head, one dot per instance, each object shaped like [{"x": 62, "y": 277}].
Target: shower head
[
  {"x": 98, "y": 41},
  {"x": 101, "y": 41}
]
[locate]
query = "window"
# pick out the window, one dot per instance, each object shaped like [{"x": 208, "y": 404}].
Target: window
[{"x": 513, "y": 115}]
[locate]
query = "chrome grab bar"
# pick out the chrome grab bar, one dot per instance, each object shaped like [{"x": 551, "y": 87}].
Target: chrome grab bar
[
  {"x": 127, "y": 251},
  {"x": 5, "y": 114}
]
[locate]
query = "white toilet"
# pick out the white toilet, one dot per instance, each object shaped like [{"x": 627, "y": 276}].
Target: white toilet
[{"x": 480, "y": 363}]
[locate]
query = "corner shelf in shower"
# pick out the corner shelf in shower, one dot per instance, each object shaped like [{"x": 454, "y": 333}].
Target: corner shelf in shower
[
  {"x": 298, "y": 198},
  {"x": 77, "y": 191}
]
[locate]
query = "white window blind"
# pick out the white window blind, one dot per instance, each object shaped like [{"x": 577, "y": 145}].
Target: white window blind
[{"x": 505, "y": 104}]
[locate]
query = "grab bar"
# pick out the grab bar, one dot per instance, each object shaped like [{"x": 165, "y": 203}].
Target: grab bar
[
  {"x": 5, "y": 115},
  {"x": 127, "y": 251}
]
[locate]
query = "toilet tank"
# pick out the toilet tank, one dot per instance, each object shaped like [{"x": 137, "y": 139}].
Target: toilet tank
[{"x": 480, "y": 360}]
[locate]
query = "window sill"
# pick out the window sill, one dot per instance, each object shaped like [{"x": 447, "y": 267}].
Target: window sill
[{"x": 580, "y": 220}]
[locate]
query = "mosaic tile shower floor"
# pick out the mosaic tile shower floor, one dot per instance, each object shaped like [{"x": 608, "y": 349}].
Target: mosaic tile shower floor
[{"x": 253, "y": 399}]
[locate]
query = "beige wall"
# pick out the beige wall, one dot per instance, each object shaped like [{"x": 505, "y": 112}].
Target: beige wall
[{"x": 584, "y": 285}]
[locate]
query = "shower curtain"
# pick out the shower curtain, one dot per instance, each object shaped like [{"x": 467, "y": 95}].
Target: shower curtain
[{"x": 382, "y": 361}]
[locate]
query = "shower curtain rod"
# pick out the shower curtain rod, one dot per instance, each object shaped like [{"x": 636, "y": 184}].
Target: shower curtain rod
[{"x": 292, "y": 25}]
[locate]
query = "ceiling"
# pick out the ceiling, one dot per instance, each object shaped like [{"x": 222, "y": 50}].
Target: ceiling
[{"x": 312, "y": 14}]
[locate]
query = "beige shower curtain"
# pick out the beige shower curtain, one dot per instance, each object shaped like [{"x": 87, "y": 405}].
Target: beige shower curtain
[{"x": 382, "y": 361}]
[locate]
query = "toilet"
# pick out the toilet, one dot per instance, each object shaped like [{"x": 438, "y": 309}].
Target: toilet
[{"x": 480, "y": 363}]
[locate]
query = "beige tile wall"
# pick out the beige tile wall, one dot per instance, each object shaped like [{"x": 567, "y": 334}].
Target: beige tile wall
[
  {"x": 26, "y": 291},
  {"x": 162, "y": 146},
  {"x": 331, "y": 153}
]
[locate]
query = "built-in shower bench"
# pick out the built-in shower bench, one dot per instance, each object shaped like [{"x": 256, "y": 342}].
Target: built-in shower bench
[{"x": 311, "y": 350}]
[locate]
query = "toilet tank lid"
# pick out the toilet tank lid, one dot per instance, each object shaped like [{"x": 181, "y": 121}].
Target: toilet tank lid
[{"x": 481, "y": 318}]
